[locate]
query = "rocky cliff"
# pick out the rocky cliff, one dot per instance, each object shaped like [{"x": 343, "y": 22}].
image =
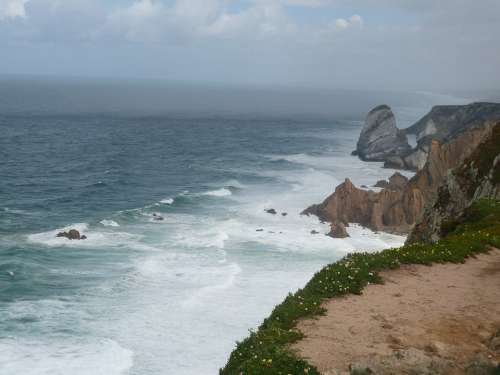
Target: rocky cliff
[
  {"x": 380, "y": 138},
  {"x": 398, "y": 206},
  {"x": 476, "y": 178},
  {"x": 445, "y": 122},
  {"x": 442, "y": 123}
]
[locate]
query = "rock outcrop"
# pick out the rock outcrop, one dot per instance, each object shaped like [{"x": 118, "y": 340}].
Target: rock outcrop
[
  {"x": 446, "y": 122},
  {"x": 396, "y": 182},
  {"x": 398, "y": 206},
  {"x": 380, "y": 211},
  {"x": 338, "y": 230},
  {"x": 442, "y": 123},
  {"x": 72, "y": 234},
  {"x": 380, "y": 138},
  {"x": 381, "y": 184},
  {"x": 476, "y": 178}
]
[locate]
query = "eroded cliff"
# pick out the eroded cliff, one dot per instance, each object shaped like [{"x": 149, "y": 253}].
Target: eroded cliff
[
  {"x": 397, "y": 207},
  {"x": 476, "y": 178}
]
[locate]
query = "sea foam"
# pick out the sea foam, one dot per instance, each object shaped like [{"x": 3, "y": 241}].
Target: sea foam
[
  {"x": 223, "y": 192},
  {"x": 101, "y": 357},
  {"x": 109, "y": 223}
]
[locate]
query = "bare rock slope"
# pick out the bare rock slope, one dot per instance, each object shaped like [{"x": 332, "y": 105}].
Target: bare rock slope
[{"x": 478, "y": 177}]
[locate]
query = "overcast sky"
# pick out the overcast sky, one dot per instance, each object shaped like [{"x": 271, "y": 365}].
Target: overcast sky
[{"x": 408, "y": 44}]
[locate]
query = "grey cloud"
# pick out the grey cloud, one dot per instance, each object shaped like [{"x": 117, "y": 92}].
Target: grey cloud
[{"x": 441, "y": 44}]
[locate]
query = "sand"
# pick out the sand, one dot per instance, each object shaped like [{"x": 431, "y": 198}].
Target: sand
[{"x": 432, "y": 319}]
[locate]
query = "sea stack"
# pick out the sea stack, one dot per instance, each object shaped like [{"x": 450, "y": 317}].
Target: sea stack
[
  {"x": 380, "y": 137},
  {"x": 337, "y": 230}
]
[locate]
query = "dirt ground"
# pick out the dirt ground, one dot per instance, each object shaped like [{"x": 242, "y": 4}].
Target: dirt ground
[{"x": 442, "y": 319}]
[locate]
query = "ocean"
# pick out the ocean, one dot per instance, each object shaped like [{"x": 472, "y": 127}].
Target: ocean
[{"x": 144, "y": 296}]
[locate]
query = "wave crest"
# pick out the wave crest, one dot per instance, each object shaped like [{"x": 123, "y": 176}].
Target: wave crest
[{"x": 223, "y": 192}]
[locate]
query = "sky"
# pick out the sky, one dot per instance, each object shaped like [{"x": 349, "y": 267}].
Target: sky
[{"x": 362, "y": 44}]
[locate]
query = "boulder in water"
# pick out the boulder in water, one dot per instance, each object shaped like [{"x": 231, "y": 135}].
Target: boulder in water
[
  {"x": 271, "y": 211},
  {"x": 72, "y": 234},
  {"x": 158, "y": 217},
  {"x": 337, "y": 230}
]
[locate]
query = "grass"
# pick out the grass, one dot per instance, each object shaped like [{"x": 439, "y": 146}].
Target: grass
[{"x": 267, "y": 350}]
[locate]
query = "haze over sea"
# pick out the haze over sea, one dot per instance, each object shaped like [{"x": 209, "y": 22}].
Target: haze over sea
[{"x": 142, "y": 296}]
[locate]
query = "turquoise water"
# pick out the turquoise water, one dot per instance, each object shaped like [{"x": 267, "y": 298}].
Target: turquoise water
[{"x": 142, "y": 296}]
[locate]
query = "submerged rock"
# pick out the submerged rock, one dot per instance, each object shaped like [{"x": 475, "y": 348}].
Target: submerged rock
[
  {"x": 271, "y": 211},
  {"x": 284, "y": 214},
  {"x": 72, "y": 234}
]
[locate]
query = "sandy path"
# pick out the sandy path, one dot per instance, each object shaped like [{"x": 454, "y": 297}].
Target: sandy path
[{"x": 439, "y": 318}]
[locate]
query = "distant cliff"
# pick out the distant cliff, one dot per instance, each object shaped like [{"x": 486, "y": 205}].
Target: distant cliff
[
  {"x": 398, "y": 207},
  {"x": 381, "y": 140},
  {"x": 443, "y": 123}
]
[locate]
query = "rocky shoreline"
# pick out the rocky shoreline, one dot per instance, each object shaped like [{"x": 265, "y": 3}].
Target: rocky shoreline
[
  {"x": 451, "y": 210},
  {"x": 446, "y": 137}
]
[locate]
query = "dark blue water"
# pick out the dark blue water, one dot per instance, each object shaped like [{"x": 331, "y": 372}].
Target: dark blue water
[
  {"x": 85, "y": 166},
  {"x": 142, "y": 296}
]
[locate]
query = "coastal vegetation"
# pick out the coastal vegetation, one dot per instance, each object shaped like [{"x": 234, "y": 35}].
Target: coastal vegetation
[{"x": 267, "y": 350}]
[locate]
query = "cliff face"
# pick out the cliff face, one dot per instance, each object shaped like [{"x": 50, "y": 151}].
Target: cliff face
[
  {"x": 476, "y": 178},
  {"x": 381, "y": 140},
  {"x": 397, "y": 207},
  {"x": 442, "y": 123},
  {"x": 380, "y": 137},
  {"x": 446, "y": 122}
]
